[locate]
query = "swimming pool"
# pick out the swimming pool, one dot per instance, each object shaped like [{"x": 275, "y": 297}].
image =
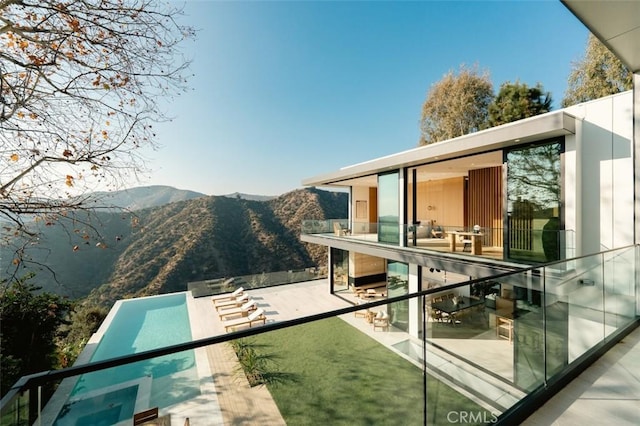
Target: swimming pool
[{"x": 137, "y": 325}]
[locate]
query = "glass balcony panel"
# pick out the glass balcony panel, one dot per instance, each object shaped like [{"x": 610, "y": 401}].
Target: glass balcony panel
[
  {"x": 471, "y": 339},
  {"x": 15, "y": 411},
  {"x": 514, "y": 308},
  {"x": 619, "y": 289},
  {"x": 253, "y": 281},
  {"x": 580, "y": 289},
  {"x": 336, "y": 371}
]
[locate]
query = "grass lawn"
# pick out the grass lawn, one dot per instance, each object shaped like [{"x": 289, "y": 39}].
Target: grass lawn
[{"x": 329, "y": 373}]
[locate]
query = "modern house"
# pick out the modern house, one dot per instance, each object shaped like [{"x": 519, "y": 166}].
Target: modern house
[
  {"x": 557, "y": 186},
  {"x": 551, "y": 187},
  {"x": 506, "y": 262}
]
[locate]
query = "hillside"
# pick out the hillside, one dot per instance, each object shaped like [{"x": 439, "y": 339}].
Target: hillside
[
  {"x": 160, "y": 249},
  {"x": 145, "y": 196}
]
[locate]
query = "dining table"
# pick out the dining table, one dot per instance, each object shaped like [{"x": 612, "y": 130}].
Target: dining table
[{"x": 452, "y": 306}]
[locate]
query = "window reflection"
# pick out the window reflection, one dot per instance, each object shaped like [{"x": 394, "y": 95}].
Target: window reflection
[
  {"x": 398, "y": 285},
  {"x": 533, "y": 202},
  {"x": 388, "y": 208}
]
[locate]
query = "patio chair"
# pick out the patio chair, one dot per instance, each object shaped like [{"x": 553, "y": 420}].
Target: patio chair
[
  {"x": 466, "y": 243},
  {"x": 361, "y": 313},
  {"x": 145, "y": 416},
  {"x": 434, "y": 314},
  {"x": 228, "y": 296},
  {"x": 255, "y": 317},
  {"x": 238, "y": 301},
  {"x": 339, "y": 230},
  {"x": 243, "y": 310},
  {"x": 381, "y": 320}
]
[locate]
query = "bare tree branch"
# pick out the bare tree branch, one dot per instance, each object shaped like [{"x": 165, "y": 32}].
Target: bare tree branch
[{"x": 80, "y": 83}]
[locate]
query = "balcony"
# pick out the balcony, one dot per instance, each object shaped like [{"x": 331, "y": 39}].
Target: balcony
[
  {"x": 531, "y": 245},
  {"x": 434, "y": 353}
]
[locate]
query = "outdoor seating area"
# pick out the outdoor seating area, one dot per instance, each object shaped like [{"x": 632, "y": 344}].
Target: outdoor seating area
[
  {"x": 370, "y": 291},
  {"x": 237, "y": 309},
  {"x": 234, "y": 301},
  {"x": 378, "y": 319},
  {"x": 256, "y": 317},
  {"x": 243, "y": 310},
  {"x": 228, "y": 296}
]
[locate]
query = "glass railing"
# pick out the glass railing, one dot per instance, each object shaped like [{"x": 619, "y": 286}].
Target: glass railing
[
  {"x": 520, "y": 245},
  {"x": 253, "y": 281},
  {"x": 529, "y": 246},
  {"x": 466, "y": 353},
  {"x": 341, "y": 228}
]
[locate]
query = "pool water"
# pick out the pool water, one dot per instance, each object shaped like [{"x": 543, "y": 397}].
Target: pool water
[{"x": 140, "y": 325}]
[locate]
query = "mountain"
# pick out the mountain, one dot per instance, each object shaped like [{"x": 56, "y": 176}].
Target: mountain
[
  {"x": 251, "y": 197},
  {"x": 145, "y": 196},
  {"x": 159, "y": 249}
]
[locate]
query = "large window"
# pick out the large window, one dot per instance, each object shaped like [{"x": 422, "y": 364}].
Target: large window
[
  {"x": 388, "y": 208},
  {"x": 340, "y": 269},
  {"x": 398, "y": 285},
  {"x": 534, "y": 184}
]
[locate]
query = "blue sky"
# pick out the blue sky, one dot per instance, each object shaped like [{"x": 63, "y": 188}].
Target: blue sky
[{"x": 288, "y": 90}]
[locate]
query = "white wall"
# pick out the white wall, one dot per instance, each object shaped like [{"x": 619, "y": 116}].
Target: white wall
[
  {"x": 360, "y": 225},
  {"x": 603, "y": 187},
  {"x": 571, "y": 219},
  {"x": 599, "y": 183}
]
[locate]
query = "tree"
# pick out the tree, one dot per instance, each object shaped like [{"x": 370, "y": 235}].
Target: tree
[
  {"x": 599, "y": 73},
  {"x": 80, "y": 83},
  {"x": 74, "y": 334},
  {"x": 29, "y": 323},
  {"x": 456, "y": 105},
  {"x": 516, "y": 101}
]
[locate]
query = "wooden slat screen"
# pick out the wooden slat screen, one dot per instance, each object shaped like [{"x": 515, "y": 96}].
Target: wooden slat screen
[{"x": 484, "y": 204}]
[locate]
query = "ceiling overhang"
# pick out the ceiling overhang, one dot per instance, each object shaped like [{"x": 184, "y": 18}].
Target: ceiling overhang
[
  {"x": 540, "y": 127},
  {"x": 615, "y": 23}
]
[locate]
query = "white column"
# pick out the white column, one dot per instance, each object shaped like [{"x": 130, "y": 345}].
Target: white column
[
  {"x": 350, "y": 209},
  {"x": 329, "y": 269},
  {"x": 401, "y": 207},
  {"x": 636, "y": 153},
  {"x": 415, "y": 304}
]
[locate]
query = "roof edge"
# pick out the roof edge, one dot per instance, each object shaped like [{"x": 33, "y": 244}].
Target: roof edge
[{"x": 521, "y": 132}]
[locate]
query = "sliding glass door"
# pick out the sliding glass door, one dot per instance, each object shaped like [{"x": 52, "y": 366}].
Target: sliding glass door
[
  {"x": 398, "y": 285},
  {"x": 389, "y": 208},
  {"x": 534, "y": 182}
]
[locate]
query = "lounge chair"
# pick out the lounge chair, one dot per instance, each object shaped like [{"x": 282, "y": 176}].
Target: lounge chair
[
  {"x": 145, "y": 416},
  {"x": 244, "y": 310},
  {"x": 228, "y": 296},
  {"x": 238, "y": 301},
  {"x": 254, "y": 317}
]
